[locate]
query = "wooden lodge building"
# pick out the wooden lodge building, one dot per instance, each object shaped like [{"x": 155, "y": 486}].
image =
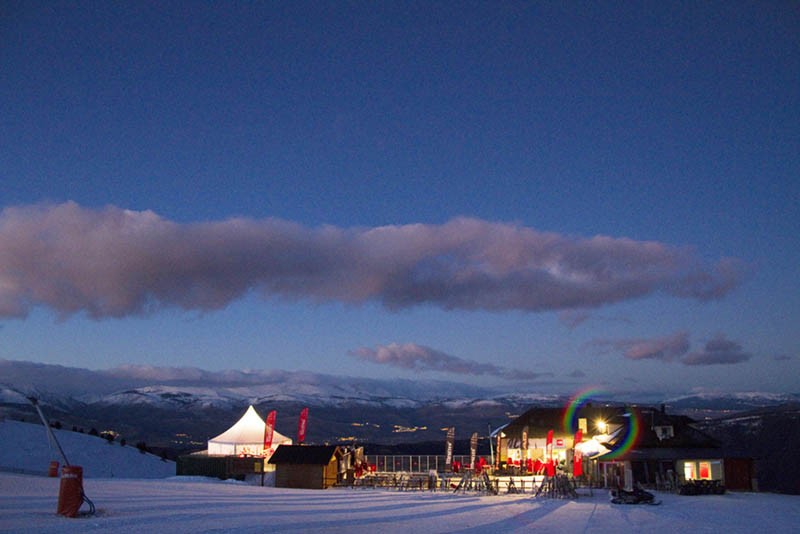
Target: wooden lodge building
[
  {"x": 668, "y": 450},
  {"x": 537, "y": 422}
]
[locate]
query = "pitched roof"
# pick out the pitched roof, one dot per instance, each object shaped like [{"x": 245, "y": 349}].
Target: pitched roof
[
  {"x": 685, "y": 437},
  {"x": 248, "y": 429},
  {"x": 304, "y": 454},
  {"x": 540, "y": 420}
]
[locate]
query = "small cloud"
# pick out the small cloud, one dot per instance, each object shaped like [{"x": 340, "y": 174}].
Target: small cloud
[
  {"x": 782, "y": 358},
  {"x": 573, "y": 318},
  {"x": 718, "y": 351},
  {"x": 420, "y": 358},
  {"x": 663, "y": 348},
  {"x": 666, "y": 348},
  {"x": 577, "y": 373}
]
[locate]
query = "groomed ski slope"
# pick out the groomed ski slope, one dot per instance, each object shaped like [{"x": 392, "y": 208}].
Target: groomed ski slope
[
  {"x": 25, "y": 448},
  {"x": 180, "y": 505}
]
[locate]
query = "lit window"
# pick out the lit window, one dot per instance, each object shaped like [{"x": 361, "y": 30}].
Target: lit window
[
  {"x": 705, "y": 470},
  {"x": 582, "y": 425},
  {"x": 688, "y": 471}
]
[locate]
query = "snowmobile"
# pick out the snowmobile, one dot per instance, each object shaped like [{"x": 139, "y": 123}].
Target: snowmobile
[{"x": 637, "y": 496}]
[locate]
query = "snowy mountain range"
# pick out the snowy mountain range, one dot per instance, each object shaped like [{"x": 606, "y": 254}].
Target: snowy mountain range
[
  {"x": 64, "y": 387},
  {"x": 182, "y": 408}
]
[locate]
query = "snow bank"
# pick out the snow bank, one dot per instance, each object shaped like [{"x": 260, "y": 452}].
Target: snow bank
[{"x": 24, "y": 447}]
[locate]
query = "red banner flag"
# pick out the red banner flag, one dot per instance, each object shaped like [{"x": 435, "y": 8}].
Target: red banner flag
[
  {"x": 269, "y": 428},
  {"x": 551, "y": 468},
  {"x": 301, "y": 427},
  {"x": 577, "y": 463}
]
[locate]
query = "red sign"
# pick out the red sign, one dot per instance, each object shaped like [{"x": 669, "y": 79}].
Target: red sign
[
  {"x": 269, "y": 428},
  {"x": 551, "y": 468},
  {"x": 301, "y": 426},
  {"x": 704, "y": 470},
  {"x": 577, "y": 463},
  {"x": 559, "y": 442}
]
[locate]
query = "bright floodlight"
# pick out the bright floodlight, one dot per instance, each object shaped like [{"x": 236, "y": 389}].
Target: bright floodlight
[{"x": 601, "y": 425}]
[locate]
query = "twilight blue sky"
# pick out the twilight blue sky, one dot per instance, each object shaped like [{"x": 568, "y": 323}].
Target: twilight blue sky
[{"x": 468, "y": 191}]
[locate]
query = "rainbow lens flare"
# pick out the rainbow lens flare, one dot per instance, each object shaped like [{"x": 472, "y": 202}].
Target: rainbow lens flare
[
  {"x": 580, "y": 399},
  {"x": 630, "y": 438},
  {"x": 570, "y": 418}
]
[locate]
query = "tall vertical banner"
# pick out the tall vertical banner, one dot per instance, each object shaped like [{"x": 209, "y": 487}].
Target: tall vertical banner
[
  {"x": 499, "y": 442},
  {"x": 551, "y": 469},
  {"x": 301, "y": 426},
  {"x": 473, "y": 450},
  {"x": 577, "y": 465},
  {"x": 523, "y": 462},
  {"x": 448, "y": 450},
  {"x": 269, "y": 428}
]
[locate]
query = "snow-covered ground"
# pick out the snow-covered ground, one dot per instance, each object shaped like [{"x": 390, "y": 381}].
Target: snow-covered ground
[
  {"x": 189, "y": 505},
  {"x": 124, "y": 485},
  {"x": 24, "y": 447}
]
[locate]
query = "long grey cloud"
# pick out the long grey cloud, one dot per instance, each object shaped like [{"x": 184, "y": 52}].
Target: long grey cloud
[
  {"x": 113, "y": 262},
  {"x": 420, "y": 358},
  {"x": 675, "y": 347}
]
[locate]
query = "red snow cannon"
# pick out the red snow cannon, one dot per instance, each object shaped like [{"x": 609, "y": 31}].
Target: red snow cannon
[{"x": 70, "y": 493}]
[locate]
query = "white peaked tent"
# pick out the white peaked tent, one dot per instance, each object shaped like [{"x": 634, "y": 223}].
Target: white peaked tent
[{"x": 245, "y": 437}]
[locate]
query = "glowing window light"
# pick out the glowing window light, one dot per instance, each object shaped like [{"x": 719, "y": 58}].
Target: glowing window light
[{"x": 688, "y": 471}]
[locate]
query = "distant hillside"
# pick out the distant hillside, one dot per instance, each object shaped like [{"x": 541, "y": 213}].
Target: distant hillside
[
  {"x": 187, "y": 428},
  {"x": 702, "y": 405},
  {"x": 178, "y": 409},
  {"x": 26, "y": 448},
  {"x": 181, "y": 409}
]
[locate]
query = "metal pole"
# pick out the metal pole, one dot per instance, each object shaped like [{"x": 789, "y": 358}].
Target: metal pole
[
  {"x": 50, "y": 434},
  {"x": 491, "y": 448}
]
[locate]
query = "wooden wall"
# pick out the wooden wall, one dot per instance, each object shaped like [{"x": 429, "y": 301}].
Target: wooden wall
[{"x": 307, "y": 476}]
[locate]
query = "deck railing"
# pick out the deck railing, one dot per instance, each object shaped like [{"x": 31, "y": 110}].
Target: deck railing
[{"x": 413, "y": 463}]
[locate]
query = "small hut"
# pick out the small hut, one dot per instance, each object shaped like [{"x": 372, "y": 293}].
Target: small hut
[{"x": 307, "y": 466}]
